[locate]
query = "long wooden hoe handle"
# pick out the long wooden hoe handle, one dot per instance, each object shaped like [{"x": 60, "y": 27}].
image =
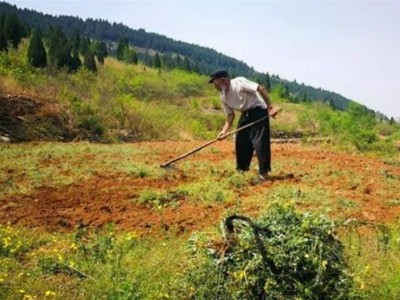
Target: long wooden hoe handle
[{"x": 166, "y": 164}]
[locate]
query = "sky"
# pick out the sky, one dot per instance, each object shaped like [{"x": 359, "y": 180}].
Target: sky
[{"x": 348, "y": 47}]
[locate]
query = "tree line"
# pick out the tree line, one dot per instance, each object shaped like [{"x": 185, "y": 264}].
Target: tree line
[{"x": 155, "y": 50}]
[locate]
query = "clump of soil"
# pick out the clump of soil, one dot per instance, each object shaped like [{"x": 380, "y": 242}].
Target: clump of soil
[{"x": 25, "y": 119}]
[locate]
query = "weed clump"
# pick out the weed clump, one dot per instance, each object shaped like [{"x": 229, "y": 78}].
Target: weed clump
[{"x": 283, "y": 255}]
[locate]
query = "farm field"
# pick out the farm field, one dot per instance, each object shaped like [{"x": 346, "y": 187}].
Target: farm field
[{"x": 68, "y": 210}]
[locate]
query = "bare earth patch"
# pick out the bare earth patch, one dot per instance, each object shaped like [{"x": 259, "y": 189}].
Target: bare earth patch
[{"x": 109, "y": 198}]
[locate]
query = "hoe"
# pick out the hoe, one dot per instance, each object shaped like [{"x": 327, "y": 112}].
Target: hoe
[{"x": 168, "y": 163}]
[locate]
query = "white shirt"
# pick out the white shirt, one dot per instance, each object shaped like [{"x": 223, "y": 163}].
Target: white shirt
[{"x": 241, "y": 96}]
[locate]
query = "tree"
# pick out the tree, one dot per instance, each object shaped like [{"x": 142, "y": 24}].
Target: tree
[
  {"x": 100, "y": 51},
  {"x": 59, "y": 53},
  {"x": 123, "y": 43},
  {"x": 76, "y": 61},
  {"x": 37, "y": 56},
  {"x": 186, "y": 64},
  {"x": 147, "y": 58},
  {"x": 84, "y": 46},
  {"x": 157, "y": 61},
  {"x": 359, "y": 126},
  {"x": 178, "y": 61},
  {"x": 13, "y": 29},
  {"x": 2, "y": 19},
  {"x": 135, "y": 58},
  {"x": 127, "y": 55},
  {"x": 286, "y": 93},
  {"x": 267, "y": 83},
  {"x": 89, "y": 61},
  {"x": 305, "y": 97},
  {"x": 76, "y": 40},
  {"x": 3, "y": 41},
  {"x": 167, "y": 61},
  {"x": 331, "y": 104}
]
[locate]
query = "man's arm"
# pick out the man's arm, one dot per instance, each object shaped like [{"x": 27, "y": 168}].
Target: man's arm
[
  {"x": 264, "y": 94},
  {"x": 228, "y": 123}
]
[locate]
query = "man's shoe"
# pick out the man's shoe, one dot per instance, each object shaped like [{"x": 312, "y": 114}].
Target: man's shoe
[{"x": 263, "y": 176}]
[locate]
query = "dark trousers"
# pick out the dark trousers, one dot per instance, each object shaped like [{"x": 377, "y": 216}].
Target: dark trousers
[{"x": 256, "y": 138}]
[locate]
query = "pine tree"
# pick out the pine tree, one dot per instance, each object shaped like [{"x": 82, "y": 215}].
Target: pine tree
[
  {"x": 76, "y": 62},
  {"x": 135, "y": 58},
  {"x": 157, "y": 61},
  {"x": 59, "y": 53},
  {"x": 147, "y": 58},
  {"x": 267, "y": 83},
  {"x": 286, "y": 92},
  {"x": 84, "y": 46},
  {"x": 89, "y": 61},
  {"x": 130, "y": 56},
  {"x": 100, "y": 51},
  {"x": 305, "y": 97},
  {"x": 123, "y": 43},
  {"x": 76, "y": 40},
  {"x": 167, "y": 61},
  {"x": 54, "y": 38},
  {"x": 3, "y": 41},
  {"x": 2, "y": 19},
  {"x": 186, "y": 64},
  {"x": 37, "y": 56},
  {"x": 13, "y": 29},
  {"x": 178, "y": 61}
]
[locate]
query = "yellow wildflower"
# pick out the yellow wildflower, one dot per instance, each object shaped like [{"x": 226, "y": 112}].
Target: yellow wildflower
[
  {"x": 49, "y": 293},
  {"x": 324, "y": 263},
  {"x": 73, "y": 246}
]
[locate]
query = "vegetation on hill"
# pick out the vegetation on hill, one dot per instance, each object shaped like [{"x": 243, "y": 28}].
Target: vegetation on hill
[
  {"x": 152, "y": 47},
  {"x": 109, "y": 100}
]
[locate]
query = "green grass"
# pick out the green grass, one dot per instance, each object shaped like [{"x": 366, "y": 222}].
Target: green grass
[
  {"x": 88, "y": 265},
  {"x": 110, "y": 264},
  {"x": 376, "y": 268},
  {"x": 26, "y": 167},
  {"x": 170, "y": 105}
]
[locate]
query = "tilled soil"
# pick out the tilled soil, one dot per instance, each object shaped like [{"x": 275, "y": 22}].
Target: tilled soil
[{"x": 362, "y": 187}]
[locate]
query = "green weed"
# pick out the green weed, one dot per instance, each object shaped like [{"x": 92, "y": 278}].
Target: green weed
[
  {"x": 301, "y": 258},
  {"x": 161, "y": 199}
]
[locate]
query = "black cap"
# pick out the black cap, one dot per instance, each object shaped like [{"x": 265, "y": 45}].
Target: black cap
[{"x": 218, "y": 74}]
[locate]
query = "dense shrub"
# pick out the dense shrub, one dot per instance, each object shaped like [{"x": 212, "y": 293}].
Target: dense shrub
[{"x": 284, "y": 255}]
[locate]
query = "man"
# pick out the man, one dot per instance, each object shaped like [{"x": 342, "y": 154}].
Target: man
[{"x": 252, "y": 100}]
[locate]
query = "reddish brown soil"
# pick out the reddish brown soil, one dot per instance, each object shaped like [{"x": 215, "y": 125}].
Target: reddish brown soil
[{"x": 109, "y": 198}]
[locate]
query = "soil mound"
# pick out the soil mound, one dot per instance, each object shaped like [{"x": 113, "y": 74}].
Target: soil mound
[{"x": 25, "y": 119}]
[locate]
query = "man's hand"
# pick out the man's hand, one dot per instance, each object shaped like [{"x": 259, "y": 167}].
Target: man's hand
[
  {"x": 221, "y": 135},
  {"x": 272, "y": 111}
]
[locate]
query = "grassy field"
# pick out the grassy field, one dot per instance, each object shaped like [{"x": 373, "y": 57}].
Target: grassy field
[
  {"x": 87, "y": 220},
  {"x": 93, "y": 221}
]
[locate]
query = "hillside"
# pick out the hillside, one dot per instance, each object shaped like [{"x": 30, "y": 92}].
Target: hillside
[
  {"x": 203, "y": 60},
  {"x": 127, "y": 102}
]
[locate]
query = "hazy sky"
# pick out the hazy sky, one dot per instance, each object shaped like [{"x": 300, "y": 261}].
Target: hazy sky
[{"x": 348, "y": 47}]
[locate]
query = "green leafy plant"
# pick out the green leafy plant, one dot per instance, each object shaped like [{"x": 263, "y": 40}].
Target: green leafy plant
[
  {"x": 161, "y": 199},
  {"x": 283, "y": 255}
]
